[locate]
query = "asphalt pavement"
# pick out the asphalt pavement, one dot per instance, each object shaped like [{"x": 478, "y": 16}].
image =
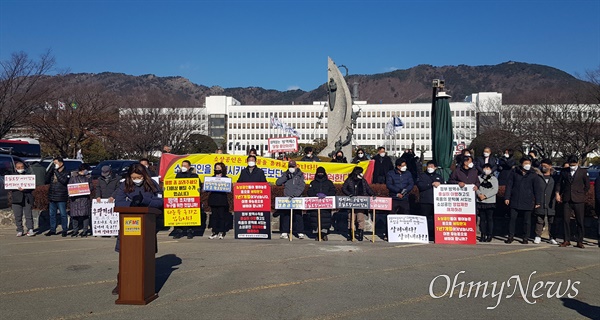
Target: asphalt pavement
[{"x": 72, "y": 278}]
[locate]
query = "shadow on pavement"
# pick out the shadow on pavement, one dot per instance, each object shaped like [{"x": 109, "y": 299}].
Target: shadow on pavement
[
  {"x": 165, "y": 265},
  {"x": 584, "y": 309}
]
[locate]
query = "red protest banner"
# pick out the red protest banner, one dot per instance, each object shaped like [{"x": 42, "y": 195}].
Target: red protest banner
[{"x": 252, "y": 196}]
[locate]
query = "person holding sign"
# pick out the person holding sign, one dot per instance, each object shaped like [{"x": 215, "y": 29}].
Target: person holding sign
[
  {"x": 522, "y": 195},
  {"x": 22, "y": 202},
  {"x": 252, "y": 173},
  {"x": 486, "y": 202},
  {"x": 426, "y": 182},
  {"x": 219, "y": 205},
  {"x": 293, "y": 184},
  {"x": 81, "y": 205},
  {"x": 138, "y": 190},
  {"x": 321, "y": 187},
  {"x": 186, "y": 172},
  {"x": 400, "y": 183},
  {"x": 58, "y": 194},
  {"x": 356, "y": 185}
]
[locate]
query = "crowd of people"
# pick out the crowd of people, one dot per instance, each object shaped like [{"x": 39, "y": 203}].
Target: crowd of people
[{"x": 532, "y": 191}]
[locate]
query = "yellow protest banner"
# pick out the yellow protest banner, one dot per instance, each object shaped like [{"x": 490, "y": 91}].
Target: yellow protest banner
[
  {"x": 182, "y": 202},
  {"x": 203, "y": 165}
]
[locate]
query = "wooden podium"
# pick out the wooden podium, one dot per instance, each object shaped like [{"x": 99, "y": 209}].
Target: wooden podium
[{"x": 137, "y": 265}]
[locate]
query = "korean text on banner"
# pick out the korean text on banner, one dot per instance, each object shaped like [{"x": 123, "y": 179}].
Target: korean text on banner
[
  {"x": 23, "y": 181},
  {"x": 287, "y": 144},
  {"x": 252, "y": 196},
  {"x": 182, "y": 202},
  {"x": 216, "y": 184},
  {"x": 78, "y": 189},
  {"x": 455, "y": 217},
  {"x": 106, "y": 220}
]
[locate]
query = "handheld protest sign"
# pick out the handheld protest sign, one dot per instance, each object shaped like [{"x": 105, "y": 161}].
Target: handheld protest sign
[
  {"x": 291, "y": 204},
  {"x": 455, "y": 214}
]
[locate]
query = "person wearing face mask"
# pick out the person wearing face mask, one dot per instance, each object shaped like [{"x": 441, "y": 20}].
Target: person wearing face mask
[
  {"x": 339, "y": 157},
  {"x": 426, "y": 182},
  {"x": 505, "y": 165},
  {"x": 382, "y": 165},
  {"x": 309, "y": 156},
  {"x": 58, "y": 194},
  {"x": 360, "y": 156},
  {"x": 106, "y": 185},
  {"x": 137, "y": 190},
  {"x": 146, "y": 163},
  {"x": 486, "y": 158},
  {"x": 522, "y": 195},
  {"x": 465, "y": 174},
  {"x": 356, "y": 185},
  {"x": 399, "y": 183},
  {"x": 571, "y": 191},
  {"x": 293, "y": 184},
  {"x": 412, "y": 163},
  {"x": 22, "y": 202},
  {"x": 535, "y": 162},
  {"x": 486, "y": 202},
  {"x": 219, "y": 206},
  {"x": 81, "y": 206},
  {"x": 547, "y": 210},
  {"x": 321, "y": 187},
  {"x": 186, "y": 171},
  {"x": 252, "y": 173}
]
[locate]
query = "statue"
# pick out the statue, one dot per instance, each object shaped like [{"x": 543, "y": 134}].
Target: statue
[{"x": 340, "y": 117}]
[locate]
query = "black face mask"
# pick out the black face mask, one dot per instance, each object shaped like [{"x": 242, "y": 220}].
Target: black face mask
[
  {"x": 218, "y": 171},
  {"x": 320, "y": 175},
  {"x": 339, "y": 156}
]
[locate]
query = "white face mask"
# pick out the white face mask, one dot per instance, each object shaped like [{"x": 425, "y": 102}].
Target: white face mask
[
  {"x": 470, "y": 165},
  {"x": 506, "y": 155},
  {"x": 292, "y": 170},
  {"x": 251, "y": 163},
  {"x": 20, "y": 170},
  {"x": 382, "y": 154},
  {"x": 431, "y": 170},
  {"x": 403, "y": 168},
  {"x": 138, "y": 182},
  {"x": 486, "y": 154},
  {"x": 487, "y": 172},
  {"x": 360, "y": 155},
  {"x": 527, "y": 167},
  {"x": 56, "y": 166},
  {"x": 360, "y": 176},
  {"x": 573, "y": 168},
  {"x": 184, "y": 169}
]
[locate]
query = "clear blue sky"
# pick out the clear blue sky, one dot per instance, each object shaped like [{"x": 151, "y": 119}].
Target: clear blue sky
[{"x": 284, "y": 44}]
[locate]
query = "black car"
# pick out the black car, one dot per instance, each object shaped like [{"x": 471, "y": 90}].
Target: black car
[{"x": 118, "y": 167}]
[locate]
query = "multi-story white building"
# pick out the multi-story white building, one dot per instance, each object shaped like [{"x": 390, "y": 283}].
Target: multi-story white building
[{"x": 249, "y": 126}]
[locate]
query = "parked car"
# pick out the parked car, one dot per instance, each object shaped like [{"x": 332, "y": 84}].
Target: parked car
[
  {"x": 71, "y": 165},
  {"x": 7, "y": 167},
  {"x": 118, "y": 167}
]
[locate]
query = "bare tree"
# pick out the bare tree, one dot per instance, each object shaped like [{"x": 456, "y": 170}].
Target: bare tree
[
  {"x": 88, "y": 111},
  {"x": 22, "y": 89}
]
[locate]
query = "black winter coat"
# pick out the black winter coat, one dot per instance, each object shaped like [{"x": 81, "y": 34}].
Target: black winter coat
[
  {"x": 105, "y": 188},
  {"x": 320, "y": 186},
  {"x": 382, "y": 166},
  {"x": 355, "y": 187},
  {"x": 58, "y": 181},
  {"x": 425, "y": 185},
  {"x": 505, "y": 167},
  {"x": 523, "y": 190},
  {"x": 218, "y": 199},
  {"x": 257, "y": 175}
]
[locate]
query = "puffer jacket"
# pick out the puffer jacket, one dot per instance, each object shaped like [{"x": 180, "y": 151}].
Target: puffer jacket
[
  {"x": 357, "y": 187},
  {"x": 317, "y": 186},
  {"x": 58, "y": 181},
  {"x": 399, "y": 182},
  {"x": 293, "y": 183},
  {"x": 523, "y": 189}
]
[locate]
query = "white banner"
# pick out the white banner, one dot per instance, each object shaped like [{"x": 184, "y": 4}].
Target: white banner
[
  {"x": 407, "y": 228},
  {"x": 452, "y": 199},
  {"x": 105, "y": 221},
  {"x": 24, "y": 181}
]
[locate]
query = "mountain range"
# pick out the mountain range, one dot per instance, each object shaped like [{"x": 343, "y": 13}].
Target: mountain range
[{"x": 519, "y": 83}]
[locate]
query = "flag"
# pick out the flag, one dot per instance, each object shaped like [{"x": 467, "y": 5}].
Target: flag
[
  {"x": 278, "y": 124},
  {"x": 79, "y": 155},
  {"x": 61, "y": 105},
  {"x": 392, "y": 126}
]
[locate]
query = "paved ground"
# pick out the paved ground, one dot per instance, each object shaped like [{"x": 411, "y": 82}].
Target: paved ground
[{"x": 65, "y": 278}]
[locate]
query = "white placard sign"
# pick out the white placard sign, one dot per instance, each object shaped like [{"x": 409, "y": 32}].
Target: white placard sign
[
  {"x": 24, "y": 181},
  {"x": 105, "y": 221},
  {"x": 407, "y": 228}
]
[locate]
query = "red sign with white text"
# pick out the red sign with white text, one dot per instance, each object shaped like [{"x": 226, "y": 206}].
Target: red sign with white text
[
  {"x": 252, "y": 196},
  {"x": 455, "y": 228}
]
